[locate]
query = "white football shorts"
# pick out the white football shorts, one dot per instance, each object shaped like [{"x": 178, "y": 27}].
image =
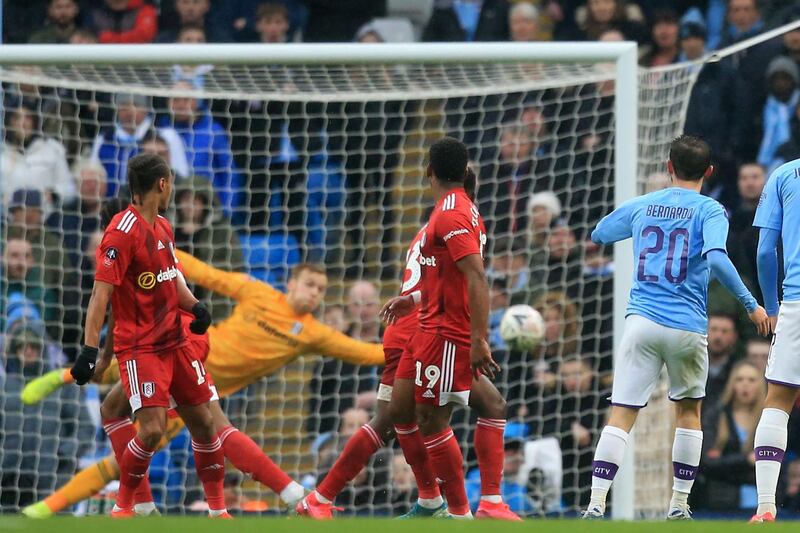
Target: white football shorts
[
  {"x": 783, "y": 365},
  {"x": 645, "y": 348}
]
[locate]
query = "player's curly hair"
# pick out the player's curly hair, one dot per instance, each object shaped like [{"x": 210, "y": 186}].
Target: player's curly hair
[{"x": 448, "y": 159}]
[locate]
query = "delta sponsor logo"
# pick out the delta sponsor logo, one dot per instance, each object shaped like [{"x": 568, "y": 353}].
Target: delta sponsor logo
[
  {"x": 148, "y": 280},
  {"x": 455, "y": 233}
]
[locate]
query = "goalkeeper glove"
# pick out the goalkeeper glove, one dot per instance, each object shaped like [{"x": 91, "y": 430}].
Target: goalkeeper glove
[
  {"x": 202, "y": 319},
  {"x": 83, "y": 369}
]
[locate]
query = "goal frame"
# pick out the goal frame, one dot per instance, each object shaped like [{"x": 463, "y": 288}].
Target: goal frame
[{"x": 624, "y": 55}]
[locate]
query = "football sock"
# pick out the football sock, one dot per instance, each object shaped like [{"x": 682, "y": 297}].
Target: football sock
[
  {"x": 489, "y": 448},
  {"x": 448, "y": 465},
  {"x": 607, "y": 458},
  {"x": 209, "y": 461},
  {"x": 120, "y": 432},
  {"x": 770, "y": 446},
  {"x": 413, "y": 446},
  {"x": 686, "y": 450},
  {"x": 83, "y": 485},
  {"x": 359, "y": 448},
  {"x": 133, "y": 469},
  {"x": 249, "y": 458}
]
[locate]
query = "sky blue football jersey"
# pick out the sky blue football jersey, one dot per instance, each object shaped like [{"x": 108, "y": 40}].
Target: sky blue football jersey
[
  {"x": 778, "y": 209},
  {"x": 672, "y": 230}
]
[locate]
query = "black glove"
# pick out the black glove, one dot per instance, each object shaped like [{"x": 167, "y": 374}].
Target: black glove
[
  {"x": 202, "y": 319},
  {"x": 83, "y": 369}
]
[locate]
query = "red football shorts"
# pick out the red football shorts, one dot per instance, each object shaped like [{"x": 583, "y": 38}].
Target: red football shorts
[
  {"x": 175, "y": 378},
  {"x": 392, "y": 356},
  {"x": 439, "y": 367}
]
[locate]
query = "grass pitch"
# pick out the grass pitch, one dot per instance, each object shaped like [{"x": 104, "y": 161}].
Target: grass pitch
[{"x": 11, "y": 524}]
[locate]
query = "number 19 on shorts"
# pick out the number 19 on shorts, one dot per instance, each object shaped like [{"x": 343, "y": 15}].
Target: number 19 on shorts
[{"x": 431, "y": 374}]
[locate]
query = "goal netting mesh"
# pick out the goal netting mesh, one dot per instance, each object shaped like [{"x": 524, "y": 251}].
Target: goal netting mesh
[{"x": 281, "y": 164}]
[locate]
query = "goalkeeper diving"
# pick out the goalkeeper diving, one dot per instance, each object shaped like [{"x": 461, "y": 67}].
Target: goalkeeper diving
[{"x": 266, "y": 331}]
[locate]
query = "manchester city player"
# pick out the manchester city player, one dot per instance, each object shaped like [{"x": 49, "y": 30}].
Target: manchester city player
[{"x": 679, "y": 240}]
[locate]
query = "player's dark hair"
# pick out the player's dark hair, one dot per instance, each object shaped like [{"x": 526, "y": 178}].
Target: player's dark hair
[
  {"x": 690, "y": 156},
  {"x": 110, "y": 208},
  {"x": 311, "y": 267},
  {"x": 144, "y": 170},
  {"x": 448, "y": 159},
  {"x": 470, "y": 183}
]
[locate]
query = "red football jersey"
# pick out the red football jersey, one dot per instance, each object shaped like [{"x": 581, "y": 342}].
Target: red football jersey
[
  {"x": 455, "y": 230},
  {"x": 138, "y": 259},
  {"x": 398, "y": 334}
]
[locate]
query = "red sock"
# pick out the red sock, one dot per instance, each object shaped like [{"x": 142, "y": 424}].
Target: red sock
[
  {"x": 413, "y": 447},
  {"x": 354, "y": 457},
  {"x": 120, "y": 432},
  {"x": 249, "y": 458},
  {"x": 209, "y": 461},
  {"x": 489, "y": 448},
  {"x": 132, "y": 470},
  {"x": 448, "y": 465}
]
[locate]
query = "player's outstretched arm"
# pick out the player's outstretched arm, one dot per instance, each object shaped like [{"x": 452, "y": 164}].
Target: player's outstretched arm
[
  {"x": 726, "y": 273},
  {"x": 331, "y": 343},
  {"x": 767, "y": 261},
  {"x": 84, "y": 366},
  {"x": 614, "y": 227}
]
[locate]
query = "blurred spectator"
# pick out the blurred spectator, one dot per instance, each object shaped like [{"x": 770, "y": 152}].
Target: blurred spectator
[
  {"x": 203, "y": 230},
  {"x": 509, "y": 260},
  {"x": 744, "y": 21},
  {"x": 193, "y": 13},
  {"x": 498, "y": 303},
  {"x": 123, "y": 21},
  {"x": 41, "y": 443},
  {"x": 599, "y": 15},
  {"x": 208, "y": 147},
  {"x": 728, "y": 459},
  {"x": 514, "y": 493},
  {"x": 191, "y": 34},
  {"x": 657, "y": 181},
  {"x": 468, "y": 20},
  {"x": 118, "y": 143},
  {"x": 560, "y": 332},
  {"x": 722, "y": 339},
  {"x": 272, "y": 23},
  {"x": 30, "y": 160},
  {"x": 338, "y": 21},
  {"x": 362, "y": 311},
  {"x": 22, "y": 281},
  {"x": 78, "y": 219},
  {"x": 714, "y": 111},
  {"x": 789, "y": 500},
  {"x": 404, "y": 485},
  {"x": 664, "y": 48},
  {"x": 743, "y": 237},
  {"x": 791, "y": 39},
  {"x": 61, "y": 23},
  {"x": 563, "y": 268},
  {"x": 334, "y": 317},
  {"x": 783, "y": 79},
  {"x": 757, "y": 352},
  {"x": 21, "y": 19},
  {"x": 523, "y": 22},
  {"x": 240, "y": 17},
  {"x": 544, "y": 208},
  {"x": 83, "y": 36},
  {"x": 790, "y": 150}
]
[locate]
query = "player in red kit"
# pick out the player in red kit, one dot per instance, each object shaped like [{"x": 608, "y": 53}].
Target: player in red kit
[
  {"x": 136, "y": 270},
  {"x": 450, "y": 346},
  {"x": 484, "y": 397}
]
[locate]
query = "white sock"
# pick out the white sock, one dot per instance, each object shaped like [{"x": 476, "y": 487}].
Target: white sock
[
  {"x": 430, "y": 503},
  {"x": 292, "y": 493},
  {"x": 686, "y": 450},
  {"x": 770, "y": 445},
  {"x": 607, "y": 458},
  {"x": 144, "y": 508},
  {"x": 492, "y": 498},
  {"x": 467, "y": 516},
  {"x": 216, "y": 512},
  {"x": 321, "y": 498}
]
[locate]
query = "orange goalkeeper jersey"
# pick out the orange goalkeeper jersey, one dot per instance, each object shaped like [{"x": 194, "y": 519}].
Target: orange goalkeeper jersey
[{"x": 263, "y": 333}]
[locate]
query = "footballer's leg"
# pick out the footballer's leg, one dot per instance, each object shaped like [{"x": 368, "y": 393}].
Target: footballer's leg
[
  {"x": 115, "y": 412},
  {"x": 489, "y": 447},
  {"x": 686, "y": 451},
  {"x": 249, "y": 458}
]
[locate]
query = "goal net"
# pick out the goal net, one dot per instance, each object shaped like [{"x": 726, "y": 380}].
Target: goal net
[{"x": 325, "y": 162}]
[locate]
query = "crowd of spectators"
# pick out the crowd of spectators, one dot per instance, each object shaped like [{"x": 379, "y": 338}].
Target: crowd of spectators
[{"x": 262, "y": 184}]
